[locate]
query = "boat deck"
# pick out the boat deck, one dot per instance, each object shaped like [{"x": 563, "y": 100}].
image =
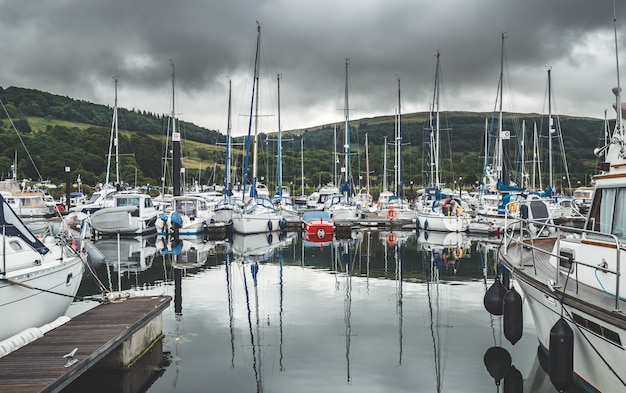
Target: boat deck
[
  {"x": 40, "y": 365},
  {"x": 590, "y": 300}
]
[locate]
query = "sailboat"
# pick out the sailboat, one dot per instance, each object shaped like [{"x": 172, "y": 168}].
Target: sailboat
[
  {"x": 282, "y": 198},
  {"x": 497, "y": 204},
  {"x": 259, "y": 214},
  {"x": 39, "y": 278},
  {"x": 191, "y": 214},
  {"x": 393, "y": 205},
  {"x": 342, "y": 208},
  {"x": 436, "y": 212},
  {"x": 224, "y": 208}
]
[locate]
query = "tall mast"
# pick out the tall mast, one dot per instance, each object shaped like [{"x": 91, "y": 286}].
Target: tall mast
[
  {"x": 176, "y": 164},
  {"x": 499, "y": 161},
  {"x": 249, "y": 138},
  {"x": 255, "y": 156},
  {"x": 302, "y": 165},
  {"x": 367, "y": 168},
  {"x": 335, "y": 158},
  {"x": 399, "y": 185},
  {"x": 228, "y": 141},
  {"x": 550, "y": 129},
  {"x": 434, "y": 133},
  {"x": 346, "y": 145},
  {"x": 385, "y": 166},
  {"x": 618, "y": 90},
  {"x": 280, "y": 144},
  {"x": 114, "y": 140}
]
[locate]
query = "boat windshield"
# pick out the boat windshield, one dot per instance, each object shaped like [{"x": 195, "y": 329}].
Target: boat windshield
[{"x": 608, "y": 212}]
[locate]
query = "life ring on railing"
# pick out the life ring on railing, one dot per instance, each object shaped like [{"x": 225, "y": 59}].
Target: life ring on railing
[
  {"x": 321, "y": 233},
  {"x": 391, "y": 239},
  {"x": 391, "y": 213},
  {"x": 513, "y": 207},
  {"x": 458, "y": 209},
  {"x": 458, "y": 253}
]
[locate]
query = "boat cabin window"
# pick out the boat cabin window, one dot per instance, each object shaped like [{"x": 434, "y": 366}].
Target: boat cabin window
[
  {"x": 608, "y": 212},
  {"x": 186, "y": 207},
  {"x": 130, "y": 201}
]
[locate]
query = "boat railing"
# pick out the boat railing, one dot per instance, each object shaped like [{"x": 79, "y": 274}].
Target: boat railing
[{"x": 519, "y": 234}]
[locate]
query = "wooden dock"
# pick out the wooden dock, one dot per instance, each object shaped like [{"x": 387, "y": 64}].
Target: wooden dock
[{"x": 130, "y": 326}]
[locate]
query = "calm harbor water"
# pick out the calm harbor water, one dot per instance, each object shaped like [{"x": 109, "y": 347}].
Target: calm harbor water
[{"x": 372, "y": 312}]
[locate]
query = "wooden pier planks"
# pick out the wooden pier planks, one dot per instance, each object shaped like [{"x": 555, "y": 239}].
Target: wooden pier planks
[{"x": 40, "y": 366}]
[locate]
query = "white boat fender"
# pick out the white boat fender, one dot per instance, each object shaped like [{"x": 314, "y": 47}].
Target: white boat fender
[
  {"x": 494, "y": 298},
  {"x": 561, "y": 350},
  {"x": 497, "y": 361},
  {"x": 63, "y": 319},
  {"x": 17, "y": 341},
  {"x": 513, "y": 316}
]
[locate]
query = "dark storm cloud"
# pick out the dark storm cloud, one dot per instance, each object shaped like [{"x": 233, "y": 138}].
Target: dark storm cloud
[{"x": 74, "y": 47}]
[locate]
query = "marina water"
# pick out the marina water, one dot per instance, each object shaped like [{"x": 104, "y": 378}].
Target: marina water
[{"x": 370, "y": 311}]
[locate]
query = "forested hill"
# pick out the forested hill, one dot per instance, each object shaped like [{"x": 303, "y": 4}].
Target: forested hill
[
  {"x": 21, "y": 103},
  {"x": 55, "y": 132}
]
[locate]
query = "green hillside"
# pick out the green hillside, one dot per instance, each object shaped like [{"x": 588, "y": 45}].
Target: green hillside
[{"x": 55, "y": 131}]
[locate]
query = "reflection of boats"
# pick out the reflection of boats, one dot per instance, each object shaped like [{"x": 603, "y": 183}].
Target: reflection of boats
[
  {"x": 260, "y": 247},
  {"x": 439, "y": 315},
  {"x": 391, "y": 238},
  {"x": 128, "y": 255},
  {"x": 39, "y": 277},
  {"x": 345, "y": 255},
  {"x": 131, "y": 214},
  {"x": 448, "y": 248},
  {"x": 317, "y": 224},
  {"x": 189, "y": 252}
]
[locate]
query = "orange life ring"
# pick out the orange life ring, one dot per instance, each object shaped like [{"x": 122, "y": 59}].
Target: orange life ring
[
  {"x": 391, "y": 213},
  {"x": 391, "y": 238}
]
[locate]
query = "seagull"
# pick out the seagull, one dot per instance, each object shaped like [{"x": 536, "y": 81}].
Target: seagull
[{"x": 70, "y": 357}]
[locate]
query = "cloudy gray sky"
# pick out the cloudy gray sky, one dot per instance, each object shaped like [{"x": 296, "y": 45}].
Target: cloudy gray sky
[{"x": 74, "y": 47}]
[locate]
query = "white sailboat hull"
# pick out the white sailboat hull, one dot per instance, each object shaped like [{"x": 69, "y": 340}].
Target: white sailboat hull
[
  {"x": 248, "y": 223},
  {"x": 438, "y": 222},
  {"x": 25, "y": 308}
]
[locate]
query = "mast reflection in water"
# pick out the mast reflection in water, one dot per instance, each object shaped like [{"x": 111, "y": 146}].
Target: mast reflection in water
[{"x": 343, "y": 310}]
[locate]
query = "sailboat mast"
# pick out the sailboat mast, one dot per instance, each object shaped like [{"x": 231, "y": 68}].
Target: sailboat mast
[
  {"x": 248, "y": 139},
  {"x": 524, "y": 180},
  {"x": 335, "y": 157},
  {"x": 176, "y": 164},
  {"x": 302, "y": 165},
  {"x": 399, "y": 185},
  {"x": 367, "y": 168},
  {"x": 228, "y": 141},
  {"x": 114, "y": 135},
  {"x": 385, "y": 166},
  {"x": 434, "y": 137},
  {"x": 499, "y": 161},
  {"x": 346, "y": 145},
  {"x": 550, "y": 129},
  {"x": 255, "y": 155},
  {"x": 280, "y": 144},
  {"x": 618, "y": 90}
]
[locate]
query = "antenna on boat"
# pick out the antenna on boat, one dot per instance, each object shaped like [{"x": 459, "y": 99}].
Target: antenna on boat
[{"x": 618, "y": 90}]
